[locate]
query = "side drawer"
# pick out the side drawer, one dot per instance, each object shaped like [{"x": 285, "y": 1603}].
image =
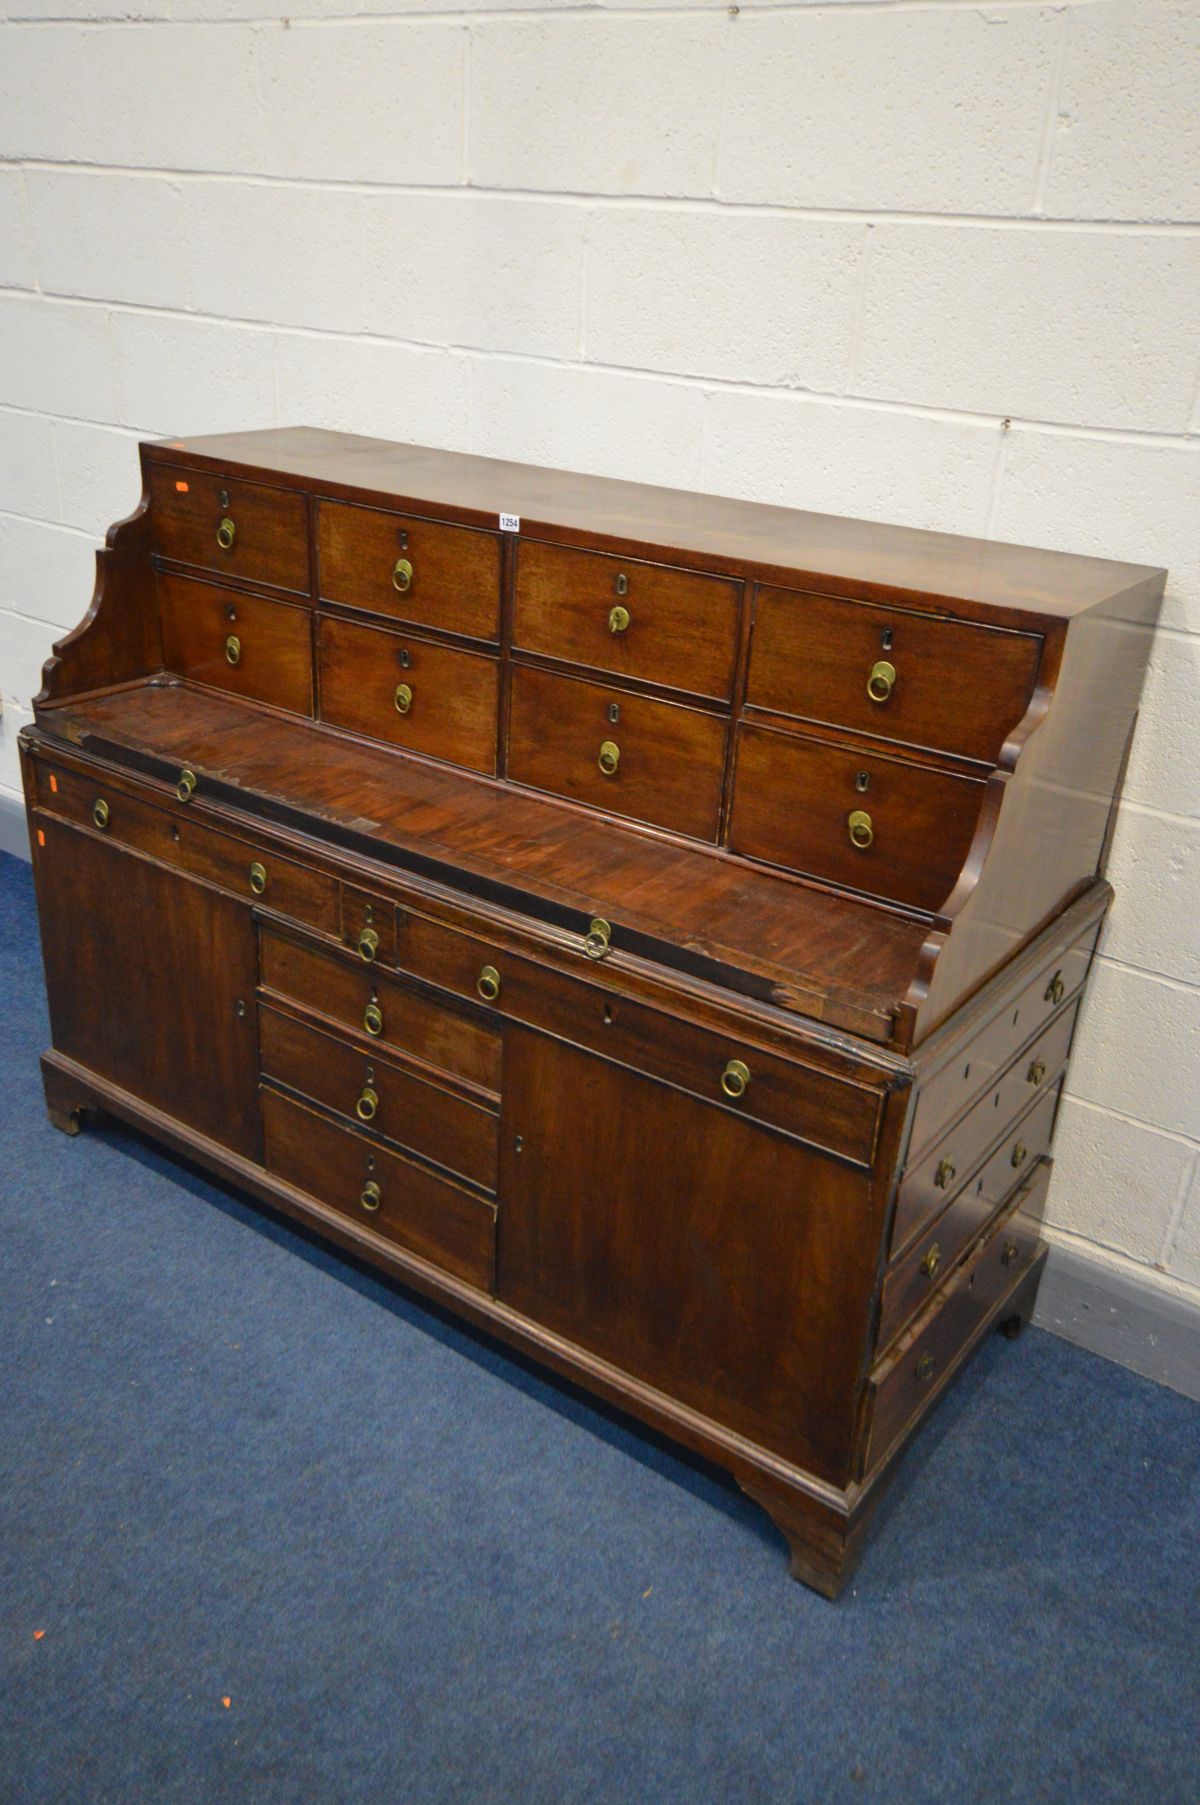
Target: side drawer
[
  {"x": 674, "y": 627},
  {"x": 381, "y": 1191},
  {"x": 222, "y": 523},
  {"x": 417, "y": 570},
  {"x": 427, "y": 698},
  {"x": 355, "y": 996},
  {"x": 367, "y": 1088},
  {"x": 181, "y": 839},
  {"x": 652, "y": 761},
  {"x": 878, "y": 824},
  {"x": 241, "y": 643}
]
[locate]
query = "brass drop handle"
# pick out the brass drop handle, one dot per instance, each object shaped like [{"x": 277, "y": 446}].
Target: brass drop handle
[
  {"x": 186, "y": 786},
  {"x": 1020, "y": 1154},
  {"x": 1011, "y": 1254},
  {"x": 373, "y": 1019},
  {"x": 1056, "y": 989},
  {"x": 610, "y": 757},
  {"x": 926, "y": 1367},
  {"x": 488, "y": 983},
  {"x": 860, "y": 828},
  {"x": 371, "y": 1196},
  {"x": 597, "y": 940},
  {"x": 1036, "y": 1072},
  {"x": 945, "y": 1175},
  {"x": 100, "y": 813},
  {"x": 882, "y": 681},
  {"x": 258, "y": 878},
  {"x": 233, "y": 649},
  {"x": 367, "y": 1105},
  {"x": 403, "y": 698},
  {"x": 225, "y": 533},
  {"x": 618, "y": 619},
  {"x": 402, "y": 575},
  {"x": 932, "y": 1261},
  {"x": 368, "y": 945},
  {"x": 735, "y": 1078}
]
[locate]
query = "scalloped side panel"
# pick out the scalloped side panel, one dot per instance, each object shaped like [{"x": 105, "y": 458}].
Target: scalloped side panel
[{"x": 118, "y": 640}]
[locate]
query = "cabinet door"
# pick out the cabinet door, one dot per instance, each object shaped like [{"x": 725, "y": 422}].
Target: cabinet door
[
  {"x": 712, "y": 1259},
  {"x": 151, "y": 981}
]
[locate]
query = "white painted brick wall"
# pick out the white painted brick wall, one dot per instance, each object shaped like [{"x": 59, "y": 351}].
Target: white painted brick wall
[{"x": 928, "y": 262}]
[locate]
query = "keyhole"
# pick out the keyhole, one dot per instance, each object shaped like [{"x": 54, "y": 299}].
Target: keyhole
[
  {"x": 231, "y": 612},
  {"x": 403, "y": 539},
  {"x": 862, "y": 782},
  {"x": 614, "y": 712},
  {"x": 885, "y": 639},
  {"x": 405, "y": 659}
]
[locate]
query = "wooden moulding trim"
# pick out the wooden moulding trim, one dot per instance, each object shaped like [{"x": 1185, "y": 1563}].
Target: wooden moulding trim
[{"x": 123, "y": 541}]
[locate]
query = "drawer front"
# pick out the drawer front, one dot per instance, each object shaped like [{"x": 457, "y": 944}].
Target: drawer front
[
  {"x": 945, "y": 1093},
  {"x": 943, "y": 684},
  {"x": 970, "y": 1158},
  {"x": 642, "y": 620},
  {"x": 416, "y": 570},
  {"x": 368, "y": 926},
  {"x": 827, "y": 1111},
  {"x": 389, "y": 1099},
  {"x": 797, "y": 801},
  {"x": 402, "y": 1018},
  {"x": 426, "y": 698},
  {"x": 669, "y": 760},
  {"x": 180, "y": 839},
  {"x": 269, "y": 542},
  {"x": 909, "y": 1378},
  {"x": 240, "y": 643},
  {"x": 407, "y": 1206}
]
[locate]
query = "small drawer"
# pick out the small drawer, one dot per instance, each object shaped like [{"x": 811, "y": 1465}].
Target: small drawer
[
  {"x": 971, "y": 1158},
  {"x": 909, "y": 1377},
  {"x": 672, "y": 627},
  {"x": 221, "y": 523},
  {"x": 369, "y": 926},
  {"x": 382, "y": 1095},
  {"x": 381, "y": 1191},
  {"x": 649, "y": 760},
  {"x": 177, "y": 837},
  {"x": 440, "y": 576},
  {"x": 241, "y": 643},
  {"x": 357, "y": 997},
  {"x": 424, "y": 697},
  {"x": 944, "y": 684},
  {"x": 878, "y": 824}
]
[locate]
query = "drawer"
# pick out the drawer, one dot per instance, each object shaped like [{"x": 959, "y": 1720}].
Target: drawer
[
  {"x": 343, "y": 990},
  {"x": 642, "y": 620},
  {"x": 944, "y": 684},
  {"x": 177, "y": 837},
  {"x": 669, "y": 760},
  {"x": 908, "y": 1379},
  {"x": 414, "y": 570},
  {"x": 948, "y": 1089},
  {"x": 978, "y": 1155},
  {"x": 241, "y": 643},
  {"x": 381, "y": 1191},
  {"x": 426, "y": 698},
  {"x": 827, "y": 1111},
  {"x": 369, "y": 926},
  {"x": 392, "y": 1100},
  {"x": 269, "y": 541},
  {"x": 794, "y": 799}
]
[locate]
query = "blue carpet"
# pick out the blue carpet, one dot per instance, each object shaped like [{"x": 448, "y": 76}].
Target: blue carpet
[{"x": 233, "y": 1468}]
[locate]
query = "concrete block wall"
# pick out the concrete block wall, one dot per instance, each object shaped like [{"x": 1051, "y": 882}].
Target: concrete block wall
[{"x": 927, "y": 261}]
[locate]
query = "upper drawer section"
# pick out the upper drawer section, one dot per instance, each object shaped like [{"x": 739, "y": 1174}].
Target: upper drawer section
[
  {"x": 241, "y": 529},
  {"x": 944, "y": 684},
  {"x": 415, "y": 570},
  {"x": 642, "y": 620},
  {"x": 241, "y": 643}
]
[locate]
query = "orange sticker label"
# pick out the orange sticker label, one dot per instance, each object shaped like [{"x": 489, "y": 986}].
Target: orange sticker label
[
  {"x": 41, "y": 837},
  {"x": 54, "y": 783},
  {"x": 182, "y": 487}
]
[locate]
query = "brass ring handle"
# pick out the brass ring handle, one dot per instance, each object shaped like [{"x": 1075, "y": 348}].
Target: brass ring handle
[
  {"x": 618, "y": 619},
  {"x": 1020, "y": 1154},
  {"x": 371, "y": 1196},
  {"x": 926, "y": 1367},
  {"x": 735, "y": 1078},
  {"x": 860, "y": 828},
  {"x": 100, "y": 813},
  {"x": 1056, "y": 989},
  {"x": 403, "y": 698},
  {"x": 1011, "y": 1254},
  {"x": 233, "y": 649},
  {"x": 368, "y": 945},
  {"x": 185, "y": 788},
  {"x": 402, "y": 576},
  {"x": 932, "y": 1261},
  {"x": 366, "y": 1106},
  {"x": 610, "y": 757},
  {"x": 881, "y": 681},
  {"x": 225, "y": 533},
  {"x": 1036, "y": 1072},
  {"x": 596, "y": 940},
  {"x": 258, "y": 878},
  {"x": 945, "y": 1174},
  {"x": 488, "y": 983},
  {"x": 373, "y": 1019}
]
